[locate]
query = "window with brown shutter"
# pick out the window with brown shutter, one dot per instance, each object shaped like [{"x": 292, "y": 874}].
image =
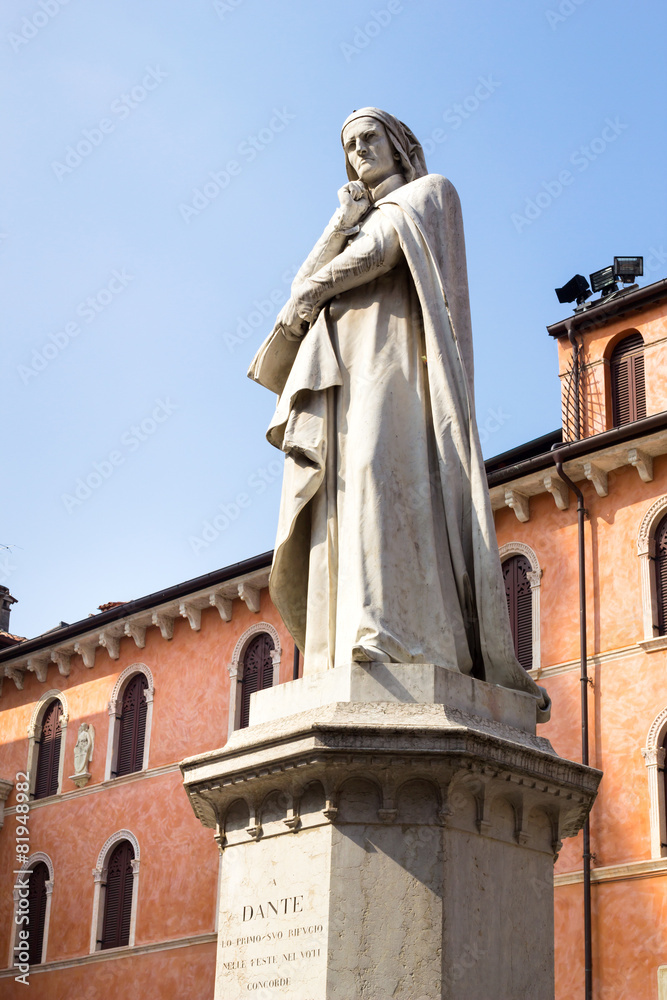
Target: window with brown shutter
[
  {"x": 132, "y": 727},
  {"x": 660, "y": 571},
  {"x": 118, "y": 897},
  {"x": 257, "y": 672},
  {"x": 628, "y": 389},
  {"x": 37, "y": 911},
  {"x": 48, "y": 757},
  {"x": 520, "y": 607}
]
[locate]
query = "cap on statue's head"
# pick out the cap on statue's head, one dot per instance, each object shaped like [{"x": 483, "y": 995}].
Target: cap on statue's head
[{"x": 407, "y": 146}]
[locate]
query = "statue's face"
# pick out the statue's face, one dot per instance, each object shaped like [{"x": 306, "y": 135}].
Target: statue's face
[{"x": 369, "y": 150}]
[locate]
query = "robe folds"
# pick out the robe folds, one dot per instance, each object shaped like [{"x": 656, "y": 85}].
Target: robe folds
[{"x": 386, "y": 546}]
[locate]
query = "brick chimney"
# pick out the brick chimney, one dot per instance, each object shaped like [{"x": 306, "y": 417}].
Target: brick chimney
[{"x": 6, "y": 601}]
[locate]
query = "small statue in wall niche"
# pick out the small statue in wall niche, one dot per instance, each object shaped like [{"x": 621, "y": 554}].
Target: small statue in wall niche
[{"x": 83, "y": 754}]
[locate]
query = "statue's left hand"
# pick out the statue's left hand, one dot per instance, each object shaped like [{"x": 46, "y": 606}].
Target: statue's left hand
[{"x": 293, "y": 325}]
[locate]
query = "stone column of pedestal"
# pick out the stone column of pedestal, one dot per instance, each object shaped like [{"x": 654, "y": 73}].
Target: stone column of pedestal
[{"x": 397, "y": 841}]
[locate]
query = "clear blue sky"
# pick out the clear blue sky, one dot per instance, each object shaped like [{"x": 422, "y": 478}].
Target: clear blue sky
[{"x": 132, "y": 306}]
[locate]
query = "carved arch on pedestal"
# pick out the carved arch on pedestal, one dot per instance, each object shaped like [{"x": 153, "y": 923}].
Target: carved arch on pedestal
[
  {"x": 235, "y": 668},
  {"x": 99, "y": 878},
  {"x": 35, "y": 733},
  {"x": 646, "y": 554},
  {"x": 535, "y": 580},
  {"x": 115, "y": 705},
  {"x": 654, "y": 757},
  {"x": 28, "y": 865}
]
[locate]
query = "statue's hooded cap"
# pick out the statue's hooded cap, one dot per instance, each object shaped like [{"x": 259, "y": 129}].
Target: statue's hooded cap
[{"x": 407, "y": 146}]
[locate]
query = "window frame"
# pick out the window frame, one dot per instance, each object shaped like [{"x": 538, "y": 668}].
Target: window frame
[
  {"x": 115, "y": 708},
  {"x": 235, "y": 669},
  {"x": 100, "y": 872},
  {"x": 646, "y": 554},
  {"x": 534, "y": 575},
  {"x": 34, "y": 738},
  {"x": 31, "y": 862},
  {"x": 654, "y": 754}
]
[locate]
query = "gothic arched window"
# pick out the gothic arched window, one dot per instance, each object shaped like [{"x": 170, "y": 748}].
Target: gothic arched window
[
  {"x": 518, "y": 592},
  {"x": 118, "y": 897},
  {"x": 257, "y": 672},
  {"x": 660, "y": 574},
  {"x": 37, "y": 900},
  {"x": 48, "y": 757},
  {"x": 628, "y": 389},
  {"x": 132, "y": 727}
]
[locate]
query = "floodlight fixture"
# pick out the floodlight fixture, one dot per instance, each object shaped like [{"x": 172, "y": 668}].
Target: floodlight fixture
[
  {"x": 576, "y": 288},
  {"x": 604, "y": 281},
  {"x": 628, "y": 268}
]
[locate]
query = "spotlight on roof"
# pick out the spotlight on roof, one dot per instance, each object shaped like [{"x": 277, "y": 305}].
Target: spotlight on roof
[
  {"x": 604, "y": 281},
  {"x": 576, "y": 288},
  {"x": 628, "y": 268}
]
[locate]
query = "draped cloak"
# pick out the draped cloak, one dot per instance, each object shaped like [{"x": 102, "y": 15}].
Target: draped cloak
[{"x": 386, "y": 538}]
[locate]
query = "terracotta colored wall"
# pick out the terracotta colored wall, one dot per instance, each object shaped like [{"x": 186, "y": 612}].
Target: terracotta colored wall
[
  {"x": 628, "y": 692},
  {"x": 179, "y": 858},
  {"x": 598, "y": 344}
]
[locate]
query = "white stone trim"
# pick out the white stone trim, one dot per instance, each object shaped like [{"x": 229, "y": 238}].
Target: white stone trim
[
  {"x": 646, "y": 553},
  {"x": 99, "y": 877},
  {"x": 535, "y": 580},
  {"x": 102, "y": 786},
  {"x": 114, "y": 708},
  {"x": 235, "y": 669},
  {"x": 616, "y": 873},
  {"x": 654, "y": 758},
  {"x": 35, "y": 732},
  {"x": 31, "y": 862},
  {"x": 110, "y": 954}
]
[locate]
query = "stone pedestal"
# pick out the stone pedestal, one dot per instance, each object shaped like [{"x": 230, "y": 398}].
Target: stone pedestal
[{"x": 388, "y": 831}]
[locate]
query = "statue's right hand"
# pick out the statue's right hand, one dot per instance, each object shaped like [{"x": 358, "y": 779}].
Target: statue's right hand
[{"x": 354, "y": 203}]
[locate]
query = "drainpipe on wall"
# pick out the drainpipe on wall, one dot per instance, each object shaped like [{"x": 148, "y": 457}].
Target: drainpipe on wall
[{"x": 558, "y": 456}]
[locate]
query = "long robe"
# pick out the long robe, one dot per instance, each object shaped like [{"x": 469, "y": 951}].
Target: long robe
[{"x": 386, "y": 547}]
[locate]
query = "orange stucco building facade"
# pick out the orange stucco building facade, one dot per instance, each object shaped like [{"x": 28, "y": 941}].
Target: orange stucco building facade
[{"x": 190, "y": 643}]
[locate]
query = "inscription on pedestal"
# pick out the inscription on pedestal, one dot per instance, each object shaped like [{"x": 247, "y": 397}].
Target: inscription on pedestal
[{"x": 272, "y": 940}]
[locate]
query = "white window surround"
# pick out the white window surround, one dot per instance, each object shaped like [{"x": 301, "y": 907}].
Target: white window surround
[
  {"x": 654, "y": 758},
  {"x": 100, "y": 880},
  {"x": 31, "y": 862},
  {"x": 646, "y": 553},
  {"x": 235, "y": 669},
  {"x": 115, "y": 706},
  {"x": 535, "y": 580},
  {"x": 35, "y": 734}
]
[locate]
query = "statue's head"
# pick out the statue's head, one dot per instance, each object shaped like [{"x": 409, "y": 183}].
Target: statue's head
[{"x": 378, "y": 145}]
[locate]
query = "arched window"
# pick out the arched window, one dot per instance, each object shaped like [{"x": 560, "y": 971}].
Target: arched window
[
  {"x": 518, "y": 592},
  {"x": 257, "y": 672},
  {"x": 628, "y": 390},
  {"x": 660, "y": 575},
  {"x": 118, "y": 897},
  {"x": 132, "y": 728},
  {"x": 37, "y": 902},
  {"x": 48, "y": 757}
]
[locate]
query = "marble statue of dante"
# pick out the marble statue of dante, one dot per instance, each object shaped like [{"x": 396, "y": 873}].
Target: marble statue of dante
[{"x": 386, "y": 547}]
